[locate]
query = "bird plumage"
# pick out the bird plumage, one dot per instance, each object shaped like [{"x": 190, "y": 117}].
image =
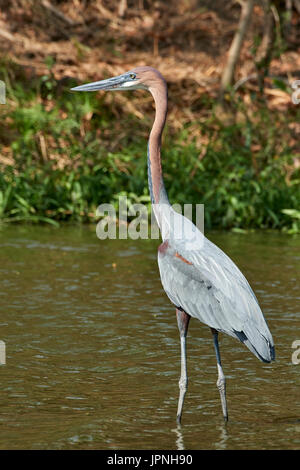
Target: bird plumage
[
  {"x": 206, "y": 284},
  {"x": 199, "y": 279}
]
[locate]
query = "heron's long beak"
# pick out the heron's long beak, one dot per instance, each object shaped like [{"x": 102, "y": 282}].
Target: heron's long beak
[{"x": 122, "y": 82}]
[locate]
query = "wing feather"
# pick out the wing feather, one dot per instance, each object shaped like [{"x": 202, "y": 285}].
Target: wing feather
[{"x": 207, "y": 284}]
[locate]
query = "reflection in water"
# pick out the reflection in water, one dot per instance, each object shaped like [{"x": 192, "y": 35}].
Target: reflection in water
[
  {"x": 222, "y": 441},
  {"x": 93, "y": 352},
  {"x": 179, "y": 438}
]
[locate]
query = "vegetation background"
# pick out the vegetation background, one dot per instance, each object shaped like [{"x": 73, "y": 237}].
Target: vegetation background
[{"x": 232, "y": 145}]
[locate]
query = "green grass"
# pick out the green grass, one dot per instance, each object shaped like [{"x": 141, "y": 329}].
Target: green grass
[{"x": 72, "y": 152}]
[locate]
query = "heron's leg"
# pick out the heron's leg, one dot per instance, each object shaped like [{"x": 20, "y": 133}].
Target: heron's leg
[
  {"x": 221, "y": 383},
  {"x": 183, "y": 323}
]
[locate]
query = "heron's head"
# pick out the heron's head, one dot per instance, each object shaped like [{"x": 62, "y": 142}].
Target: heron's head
[{"x": 145, "y": 78}]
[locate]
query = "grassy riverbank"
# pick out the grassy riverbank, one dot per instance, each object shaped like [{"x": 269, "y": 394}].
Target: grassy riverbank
[
  {"x": 62, "y": 154},
  {"x": 65, "y": 153}
]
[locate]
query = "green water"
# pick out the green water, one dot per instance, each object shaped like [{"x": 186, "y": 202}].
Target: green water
[{"x": 93, "y": 354}]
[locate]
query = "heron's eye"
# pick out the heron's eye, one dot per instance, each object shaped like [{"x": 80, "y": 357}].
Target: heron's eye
[{"x": 132, "y": 76}]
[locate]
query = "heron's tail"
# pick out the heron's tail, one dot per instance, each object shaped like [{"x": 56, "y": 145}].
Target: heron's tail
[{"x": 262, "y": 346}]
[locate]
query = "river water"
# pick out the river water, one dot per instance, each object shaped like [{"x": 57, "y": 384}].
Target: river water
[{"x": 93, "y": 352}]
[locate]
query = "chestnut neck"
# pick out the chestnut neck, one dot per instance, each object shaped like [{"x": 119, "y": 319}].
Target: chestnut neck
[{"x": 155, "y": 178}]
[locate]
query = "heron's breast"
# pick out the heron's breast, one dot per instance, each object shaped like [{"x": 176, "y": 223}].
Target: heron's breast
[{"x": 163, "y": 247}]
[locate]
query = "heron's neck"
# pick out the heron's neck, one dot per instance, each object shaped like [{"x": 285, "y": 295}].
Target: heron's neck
[{"x": 155, "y": 178}]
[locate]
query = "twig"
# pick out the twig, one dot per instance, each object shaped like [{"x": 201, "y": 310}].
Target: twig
[
  {"x": 235, "y": 48},
  {"x": 253, "y": 76},
  {"x": 264, "y": 53},
  {"x": 57, "y": 12},
  {"x": 6, "y": 35},
  {"x": 297, "y": 5},
  {"x": 241, "y": 82},
  {"x": 122, "y": 8}
]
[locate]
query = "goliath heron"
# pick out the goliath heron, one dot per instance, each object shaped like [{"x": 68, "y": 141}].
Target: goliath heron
[{"x": 199, "y": 278}]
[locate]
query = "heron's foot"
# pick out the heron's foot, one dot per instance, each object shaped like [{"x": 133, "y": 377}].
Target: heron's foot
[
  {"x": 221, "y": 384},
  {"x": 183, "y": 383}
]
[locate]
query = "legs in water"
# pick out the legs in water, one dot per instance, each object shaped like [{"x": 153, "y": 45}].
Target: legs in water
[
  {"x": 183, "y": 319},
  {"x": 221, "y": 383},
  {"x": 183, "y": 323}
]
